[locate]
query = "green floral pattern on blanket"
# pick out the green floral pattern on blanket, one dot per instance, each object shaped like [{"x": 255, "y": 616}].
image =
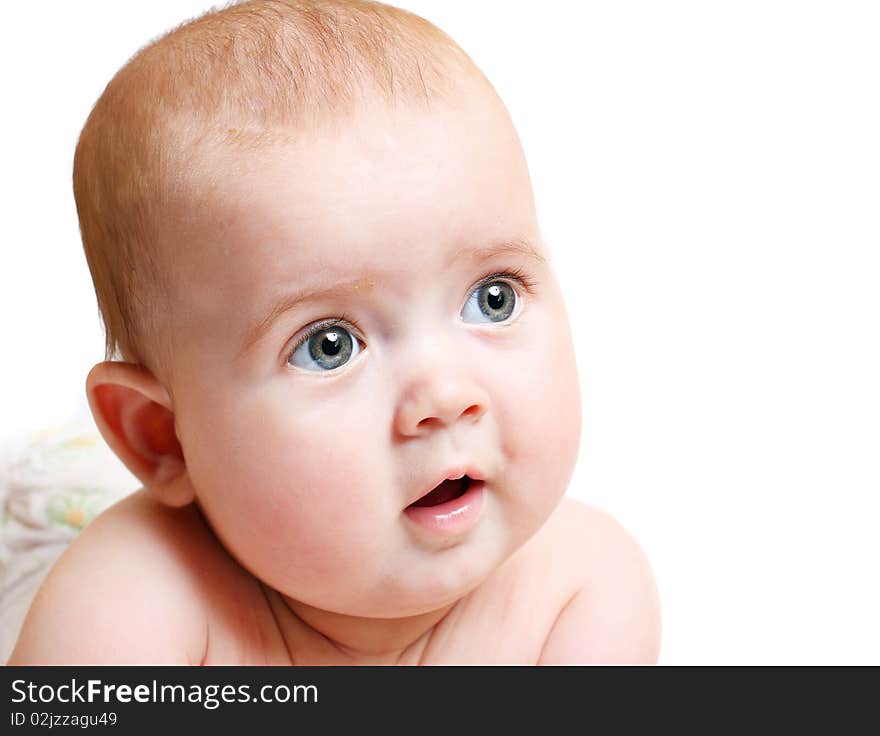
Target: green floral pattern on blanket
[
  {"x": 78, "y": 507},
  {"x": 62, "y": 477}
]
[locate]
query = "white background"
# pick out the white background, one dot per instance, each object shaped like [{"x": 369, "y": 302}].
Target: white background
[{"x": 708, "y": 178}]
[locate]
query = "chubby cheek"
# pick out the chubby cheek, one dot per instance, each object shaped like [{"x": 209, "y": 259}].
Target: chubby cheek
[
  {"x": 291, "y": 492},
  {"x": 542, "y": 416}
]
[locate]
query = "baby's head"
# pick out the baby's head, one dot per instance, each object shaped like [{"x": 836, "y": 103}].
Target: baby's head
[{"x": 314, "y": 244}]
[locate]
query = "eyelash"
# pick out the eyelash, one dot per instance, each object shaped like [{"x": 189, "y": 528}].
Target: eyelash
[{"x": 514, "y": 274}]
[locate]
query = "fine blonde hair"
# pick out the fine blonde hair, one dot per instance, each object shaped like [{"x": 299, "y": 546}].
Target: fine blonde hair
[{"x": 234, "y": 76}]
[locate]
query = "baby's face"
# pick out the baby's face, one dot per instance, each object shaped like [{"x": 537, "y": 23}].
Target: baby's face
[{"x": 360, "y": 314}]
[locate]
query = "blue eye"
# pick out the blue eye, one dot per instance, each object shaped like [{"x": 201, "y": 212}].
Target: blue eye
[
  {"x": 324, "y": 349},
  {"x": 491, "y": 302}
]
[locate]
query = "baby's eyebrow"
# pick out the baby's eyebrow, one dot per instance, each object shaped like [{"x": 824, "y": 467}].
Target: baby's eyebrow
[{"x": 516, "y": 246}]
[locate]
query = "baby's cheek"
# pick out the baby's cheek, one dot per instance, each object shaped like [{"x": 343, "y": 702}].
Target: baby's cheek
[
  {"x": 543, "y": 432},
  {"x": 283, "y": 480}
]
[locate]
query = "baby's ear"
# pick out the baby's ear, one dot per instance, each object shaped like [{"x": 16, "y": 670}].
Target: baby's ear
[{"x": 134, "y": 414}]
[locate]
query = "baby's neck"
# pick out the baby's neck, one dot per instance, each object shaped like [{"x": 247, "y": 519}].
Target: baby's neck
[{"x": 314, "y": 636}]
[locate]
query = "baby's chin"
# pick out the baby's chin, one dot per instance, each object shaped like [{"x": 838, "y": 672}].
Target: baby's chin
[
  {"x": 427, "y": 585},
  {"x": 392, "y": 602}
]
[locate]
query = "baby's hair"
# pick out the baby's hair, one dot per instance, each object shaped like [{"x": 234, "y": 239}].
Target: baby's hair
[{"x": 238, "y": 76}]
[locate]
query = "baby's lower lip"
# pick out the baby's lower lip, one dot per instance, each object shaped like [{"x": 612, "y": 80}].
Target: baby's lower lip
[{"x": 452, "y": 517}]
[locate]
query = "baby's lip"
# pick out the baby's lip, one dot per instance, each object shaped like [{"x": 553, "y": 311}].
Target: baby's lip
[{"x": 455, "y": 472}]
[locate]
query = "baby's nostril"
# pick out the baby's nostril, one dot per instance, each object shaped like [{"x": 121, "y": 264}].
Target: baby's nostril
[{"x": 472, "y": 411}]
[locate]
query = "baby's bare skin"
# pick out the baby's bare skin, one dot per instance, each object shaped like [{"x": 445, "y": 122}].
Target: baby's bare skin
[
  {"x": 148, "y": 584},
  {"x": 408, "y": 235}
]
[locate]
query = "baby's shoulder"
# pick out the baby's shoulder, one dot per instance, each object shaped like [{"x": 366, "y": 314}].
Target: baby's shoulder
[
  {"x": 570, "y": 549},
  {"x": 132, "y": 588},
  {"x": 610, "y": 610},
  {"x": 583, "y": 541}
]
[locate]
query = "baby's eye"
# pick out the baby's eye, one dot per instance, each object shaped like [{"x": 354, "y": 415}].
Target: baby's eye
[
  {"x": 325, "y": 349},
  {"x": 491, "y": 302}
]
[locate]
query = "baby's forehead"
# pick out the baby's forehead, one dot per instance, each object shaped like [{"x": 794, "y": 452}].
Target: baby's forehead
[
  {"x": 385, "y": 198},
  {"x": 332, "y": 170}
]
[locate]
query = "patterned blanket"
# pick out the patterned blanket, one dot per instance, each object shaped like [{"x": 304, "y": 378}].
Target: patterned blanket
[{"x": 52, "y": 483}]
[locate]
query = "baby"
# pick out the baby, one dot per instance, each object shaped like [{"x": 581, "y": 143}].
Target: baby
[{"x": 346, "y": 383}]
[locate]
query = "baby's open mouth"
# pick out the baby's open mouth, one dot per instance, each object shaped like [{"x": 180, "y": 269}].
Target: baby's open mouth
[{"x": 446, "y": 491}]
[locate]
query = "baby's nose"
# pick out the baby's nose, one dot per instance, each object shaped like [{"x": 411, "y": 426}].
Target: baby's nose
[{"x": 440, "y": 401}]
